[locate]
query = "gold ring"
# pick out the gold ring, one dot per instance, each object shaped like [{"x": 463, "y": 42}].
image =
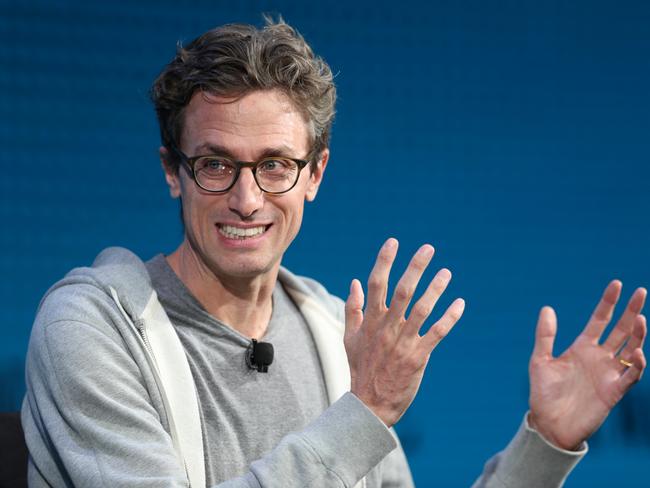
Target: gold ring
[{"x": 625, "y": 363}]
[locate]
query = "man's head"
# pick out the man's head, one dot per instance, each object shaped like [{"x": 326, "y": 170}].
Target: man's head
[
  {"x": 236, "y": 59},
  {"x": 237, "y": 95}
]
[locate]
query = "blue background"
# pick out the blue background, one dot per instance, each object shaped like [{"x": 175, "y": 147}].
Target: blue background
[{"x": 513, "y": 136}]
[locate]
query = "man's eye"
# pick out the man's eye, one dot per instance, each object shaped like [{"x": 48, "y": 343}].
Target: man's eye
[
  {"x": 275, "y": 165},
  {"x": 215, "y": 166}
]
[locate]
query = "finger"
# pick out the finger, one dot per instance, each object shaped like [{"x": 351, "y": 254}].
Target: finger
[
  {"x": 621, "y": 332},
  {"x": 409, "y": 281},
  {"x": 545, "y": 334},
  {"x": 634, "y": 372},
  {"x": 635, "y": 342},
  {"x": 378, "y": 280},
  {"x": 354, "y": 308},
  {"x": 603, "y": 312},
  {"x": 424, "y": 306},
  {"x": 441, "y": 328}
]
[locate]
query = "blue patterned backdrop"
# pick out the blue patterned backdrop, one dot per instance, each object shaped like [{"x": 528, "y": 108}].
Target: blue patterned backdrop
[{"x": 513, "y": 136}]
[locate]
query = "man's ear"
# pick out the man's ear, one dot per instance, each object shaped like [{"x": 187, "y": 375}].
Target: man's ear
[
  {"x": 316, "y": 175},
  {"x": 171, "y": 172}
]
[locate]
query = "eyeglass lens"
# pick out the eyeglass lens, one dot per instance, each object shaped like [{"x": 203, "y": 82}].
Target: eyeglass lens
[{"x": 272, "y": 174}]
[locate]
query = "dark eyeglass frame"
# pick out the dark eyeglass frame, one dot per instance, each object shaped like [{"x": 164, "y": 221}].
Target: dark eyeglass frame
[{"x": 190, "y": 163}]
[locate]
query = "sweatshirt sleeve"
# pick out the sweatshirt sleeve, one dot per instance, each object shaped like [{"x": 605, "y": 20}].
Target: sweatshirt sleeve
[
  {"x": 89, "y": 421},
  {"x": 395, "y": 471},
  {"x": 337, "y": 449},
  {"x": 529, "y": 461}
]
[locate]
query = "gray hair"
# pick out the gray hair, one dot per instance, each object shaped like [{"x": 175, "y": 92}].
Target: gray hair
[{"x": 236, "y": 59}]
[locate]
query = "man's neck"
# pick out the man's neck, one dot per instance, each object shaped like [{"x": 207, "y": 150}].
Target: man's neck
[{"x": 244, "y": 304}]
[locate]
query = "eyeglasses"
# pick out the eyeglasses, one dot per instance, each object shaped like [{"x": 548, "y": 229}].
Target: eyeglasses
[{"x": 218, "y": 174}]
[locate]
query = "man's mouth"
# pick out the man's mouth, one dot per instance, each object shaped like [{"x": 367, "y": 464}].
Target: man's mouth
[{"x": 232, "y": 232}]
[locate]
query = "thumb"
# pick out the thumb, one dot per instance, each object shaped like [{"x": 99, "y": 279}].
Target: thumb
[
  {"x": 545, "y": 334},
  {"x": 354, "y": 308}
]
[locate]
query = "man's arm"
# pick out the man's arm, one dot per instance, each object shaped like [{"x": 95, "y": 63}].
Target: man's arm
[
  {"x": 88, "y": 416},
  {"x": 386, "y": 352},
  {"x": 571, "y": 395},
  {"x": 90, "y": 420},
  {"x": 529, "y": 461}
]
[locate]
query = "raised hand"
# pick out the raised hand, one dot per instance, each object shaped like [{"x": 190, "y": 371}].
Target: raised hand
[
  {"x": 386, "y": 353},
  {"x": 570, "y": 396}
]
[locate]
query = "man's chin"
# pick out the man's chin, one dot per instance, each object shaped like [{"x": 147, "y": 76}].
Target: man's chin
[{"x": 246, "y": 269}]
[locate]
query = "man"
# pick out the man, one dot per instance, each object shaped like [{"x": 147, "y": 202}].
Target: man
[{"x": 150, "y": 374}]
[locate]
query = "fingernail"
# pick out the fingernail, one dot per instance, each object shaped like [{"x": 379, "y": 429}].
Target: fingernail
[
  {"x": 427, "y": 250},
  {"x": 444, "y": 274},
  {"x": 390, "y": 244}
]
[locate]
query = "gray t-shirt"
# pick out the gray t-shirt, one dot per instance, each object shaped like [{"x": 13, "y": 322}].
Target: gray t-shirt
[{"x": 244, "y": 413}]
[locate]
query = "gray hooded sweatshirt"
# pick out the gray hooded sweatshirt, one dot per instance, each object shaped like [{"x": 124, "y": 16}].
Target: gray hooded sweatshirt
[{"x": 98, "y": 413}]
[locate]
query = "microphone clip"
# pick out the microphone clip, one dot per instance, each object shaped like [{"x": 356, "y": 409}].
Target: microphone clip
[{"x": 259, "y": 356}]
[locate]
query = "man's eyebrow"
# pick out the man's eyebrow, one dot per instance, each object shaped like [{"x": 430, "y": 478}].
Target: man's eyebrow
[{"x": 209, "y": 148}]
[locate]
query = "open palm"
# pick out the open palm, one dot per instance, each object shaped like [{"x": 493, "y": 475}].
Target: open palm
[{"x": 571, "y": 395}]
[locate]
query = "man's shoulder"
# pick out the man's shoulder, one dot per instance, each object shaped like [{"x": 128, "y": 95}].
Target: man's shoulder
[{"x": 85, "y": 293}]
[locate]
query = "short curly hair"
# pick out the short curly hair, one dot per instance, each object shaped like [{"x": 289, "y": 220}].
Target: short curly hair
[{"x": 236, "y": 59}]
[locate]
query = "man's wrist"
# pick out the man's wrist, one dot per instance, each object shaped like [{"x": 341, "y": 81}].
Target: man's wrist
[
  {"x": 533, "y": 462},
  {"x": 349, "y": 438},
  {"x": 382, "y": 414},
  {"x": 548, "y": 436}
]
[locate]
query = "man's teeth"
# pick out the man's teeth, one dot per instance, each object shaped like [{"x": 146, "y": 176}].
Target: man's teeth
[{"x": 239, "y": 233}]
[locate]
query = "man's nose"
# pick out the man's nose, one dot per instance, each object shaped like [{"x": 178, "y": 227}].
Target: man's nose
[{"x": 245, "y": 197}]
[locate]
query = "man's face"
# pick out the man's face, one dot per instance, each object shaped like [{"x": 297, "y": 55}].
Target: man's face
[{"x": 260, "y": 124}]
